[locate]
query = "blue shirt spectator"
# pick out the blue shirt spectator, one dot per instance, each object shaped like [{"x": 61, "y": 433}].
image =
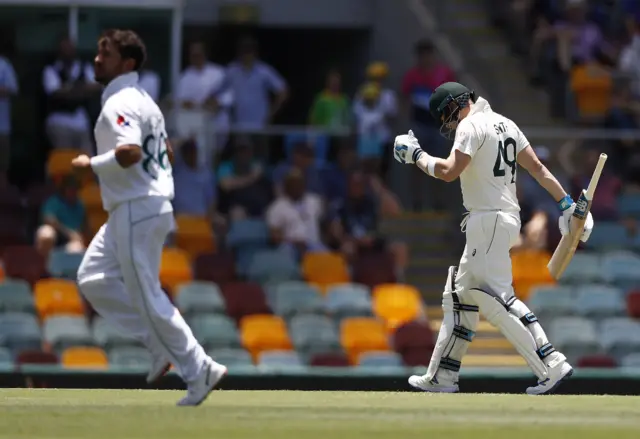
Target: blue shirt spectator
[
  {"x": 304, "y": 160},
  {"x": 335, "y": 176},
  {"x": 65, "y": 213},
  {"x": 253, "y": 82},
  {"x": 195, "y": 186},
  {"x": 8, "y": 87}
]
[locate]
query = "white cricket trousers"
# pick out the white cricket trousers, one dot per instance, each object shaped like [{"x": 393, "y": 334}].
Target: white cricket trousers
[{"x": 119, "y": 276}]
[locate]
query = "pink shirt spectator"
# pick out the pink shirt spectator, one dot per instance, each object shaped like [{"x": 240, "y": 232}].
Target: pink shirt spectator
[{"x": 418, "y": 85}]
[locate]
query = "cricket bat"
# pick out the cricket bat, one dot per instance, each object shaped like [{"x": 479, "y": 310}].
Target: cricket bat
[{"x": 569, "y": 243}]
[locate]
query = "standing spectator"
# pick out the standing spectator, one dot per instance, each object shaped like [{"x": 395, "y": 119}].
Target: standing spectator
[
  {"x": 202, "y": 87},
  {"x": 69, "y": 85},
  {"x": 377, "y": 73},
  {"x": 629, "y": 62},
  {"x": 373, "y": 129},
  {"x": 302, "y": 159},
  {"x": 8, "y": 88},
  {"x": 63, "y": 217},
  {"x": 150, "y": 82},
  {"x": 331, "y": 107}
]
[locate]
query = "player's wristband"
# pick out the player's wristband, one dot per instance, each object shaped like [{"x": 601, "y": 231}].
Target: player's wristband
[
  {"x": 565, "y": 203},
  {"x": 416, "y": 155},
  {"x": 105, "y": 162}
]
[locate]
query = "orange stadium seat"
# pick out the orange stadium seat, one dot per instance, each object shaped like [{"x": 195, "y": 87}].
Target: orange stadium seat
[
  {"x": 263, "y": 332},
  {"x": 592, "y": 87},
  {"x": 175, "y": 268},
  {"x": 325, "y": 269},
  {"x": 362, "y": 334},
  {"x": 91, "y": 198},
  {"x": 396, "y": 304},
  {"x": 194, "y": 235},
  {"x": 84, "y": 358},
  {"x": 530, "y": 270},
  {"x": 57, "y": 296},
  {"x": 59, "y": 163},
  {"x": 96, "y": 219}
]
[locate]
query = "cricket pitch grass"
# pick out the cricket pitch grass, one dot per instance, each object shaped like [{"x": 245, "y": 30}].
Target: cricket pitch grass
[{"x": 148, "y": 414}]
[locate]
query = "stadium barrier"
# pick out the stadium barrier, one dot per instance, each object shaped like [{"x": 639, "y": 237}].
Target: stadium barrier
[{"x": 477, "y": 380}]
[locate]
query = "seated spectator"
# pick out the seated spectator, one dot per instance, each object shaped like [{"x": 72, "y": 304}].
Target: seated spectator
[
  {"x": 335, "y": 176},
  {"x": 622, "y": 115},
  {"x": 8, "y": 89},
  {"x": 353, "y": 226},
  {"x": 330, "y": 108},
  {"x": 605, "y": 205},
  {"x": 294, "y": 217},
  {"x": 591, "y": 84},
  {"x": 372, "y": 124},
  {"x": 629, "y": 62},
  {"x": 245, "y": 189},
  {"x": 195, "y": 185},
  {"x": 63, "y": 218},
  {"x": 302, "y": 158}
]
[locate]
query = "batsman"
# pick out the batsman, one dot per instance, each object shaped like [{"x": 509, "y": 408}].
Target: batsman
[{"x": 487, "y": 150}]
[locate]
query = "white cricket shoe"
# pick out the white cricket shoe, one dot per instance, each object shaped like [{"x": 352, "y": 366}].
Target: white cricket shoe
[
  {"x": 556, "y": 376},
  {"x": 423, "y": 383},
  {"x": 198, "y": 390},
  {"x": 159, "y": 368}
]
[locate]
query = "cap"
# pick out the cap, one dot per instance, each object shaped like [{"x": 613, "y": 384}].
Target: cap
[
  {"x": 370, "y": 90},
  {"x": 442, "y": 96},
  {"x": 377, "y": 70}
]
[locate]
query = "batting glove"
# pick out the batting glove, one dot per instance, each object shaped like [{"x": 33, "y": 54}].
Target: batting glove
[
  {"x": 406, "y": 148},
  {"x": 567, "y": 205}
]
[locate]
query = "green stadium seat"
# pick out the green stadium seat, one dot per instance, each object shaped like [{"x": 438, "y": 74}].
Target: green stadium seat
[
  {"x": 232, "y": 357},
  {"x": 599, "y": 301},
  {"x": 313, "y": 334},
  {"x": 631, "y": 360},
  {"x": 548, "y": 302},
  {"x": 16, "y": 296},
  {"x": 383, "y": 359},
  {"x": 280, "y": 360},
  {"x": 62, "y": 332},
  {"x": 62, "y": 264},
  {"x": 622, "y": 268},
  {"x": 6, "y": 357},
  {"x": 584, "y": 267},
  {"x": 272, "y": 266},
  {"x": 629, "y": 205},
  {"x": 130, "y": 356},
  {"x": 20, "y": 331},
  {"x": 620, "y": 336},
  {"x": 200, "y": 297},
  {"x": 574, "y": 336},
  {"x": 608, "y": 235},
  {"x": 215, "y": 331},
  {"x": 349, "y": 300},
  {"x": 295, "y": 297},
  {"x": 107, "y": 336}
]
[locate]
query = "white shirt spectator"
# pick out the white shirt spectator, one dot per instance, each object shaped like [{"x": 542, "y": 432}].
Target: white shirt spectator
[
  {"x": 78, "y": 120},
  {"x": 372, "y": 120},
  {"x": 9, "y": 83},
  {"x": 150, "y": 82},
  {"x": 388, "y": 102},
  {"x": 629, "y": 63},
  {"x": 298, "y": 221}
]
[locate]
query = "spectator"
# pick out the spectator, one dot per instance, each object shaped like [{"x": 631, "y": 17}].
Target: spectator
[
  {"x": 202, "y": 87},
  {"x": 294, "y": 217},
  {"x": 69, "y": 85},
  {"x": 372, "y": 125},
  {"x": 252, "y": 81},
  {"x": 150, "y": 82},
  {"x": 605, "y": 205},
  {"x": 195, "y": 186},
  {"x": 591, "y": 84},
  {"x": 335, "y": 176},
  {"x": 629, "y": 62},
  {"x": 8, "y": 88},
  {"x": 63, "y": 217},
  {"x": 331, "y": 106},
  {"x": 304, "y": 160},
  {"x": 245, "y": 190},
  {"x": 623, "y": 115}
]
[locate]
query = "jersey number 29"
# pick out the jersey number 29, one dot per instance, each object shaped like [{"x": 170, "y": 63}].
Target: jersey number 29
[
  {"x": 155, "y": 154},
  {"x": 503, "y": 160}
]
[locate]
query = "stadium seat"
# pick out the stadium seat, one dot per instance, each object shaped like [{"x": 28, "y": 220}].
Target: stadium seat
[
  {"x": 633, "y": 304},
  {"x": 215, "y": 331},
  {"x": 620, "y": 336},
  {"x": 383, "y": 359},
  {"x": 194, "y": 235},
  {"x": 15, "y": 295},
  {"x": 280, "y": 360},
  {"x": 57, "y": 296},
  {"x": 530, "y": 270},
  {"x": 575, "y": 336},
  {"x": 215, "y": 267},
  {"x": 272, "y": 266},
  {"x": 107, "y": 336},
  {"x": 584, "y": 267},
  {"x": 244, "y": 298},
  {"x": 349, "y": 300},
  {"x": 373, "y": 269},
  {"x": 629, "y": 205},
  {"x": 552, "y": 301},
  {"x": 599, "y": 301},
  {"x": 414, "y": 340},
  {"x": 24, "y": 262},
  {"x": 59, "y": 163},
  {"x": 232, "y": 357},
  {"x": 64, "y": 265},
  {"x": 20, "y": 331},
  {"x": 84, "y": 358},
  {"x": 622, "y": 268},
  {"x": 6, "y": 357},
  {"x": 61, "y": 332},
  {"x": 361, "y": 334},
  {"x": 600, "y": 361},
  {"x": 36, "y": 357},
  {"x": 325, "y": 269},
  {"x": 331, "y": 359},
  {"x": 251, "y": 233},
  {"x": 631, "y": 360},
  {"x": 293, "y": 297},
  {"x": 130, "y": 356},
  {"x": 487, "y": 360},
  {"x": 608, "y": 235},
  {"x": 199, "y": 297},
  {"x": 175, "y": 268},
  {"x": 91, "y": 197},
  {"x": 417, "y": 358},
  {"x": 397, "y": 304},
  {"x": 263, "y": 332},
  {"x": 312, "y": 334}
]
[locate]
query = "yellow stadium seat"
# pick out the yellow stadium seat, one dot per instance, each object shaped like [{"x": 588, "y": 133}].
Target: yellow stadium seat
[
  {"x": 397, "y": 304},
  {"x": 91, "y": 198},
  {"x": 530, "y": 270},
  {"x": 57, "y": 296},
  {"x": 96, "y": 219},
  {"x": 59, "y": 162},
  {"x": 262, "y": 332},
  {"x": 194, "y": 235},
  {"x": 175, "y": 268},
  {"x": 362, "y": 334},
  {"x": 325, "y": 269},
  {"x": 483, "y": 360},
  {"x": 84, "y": 358}
]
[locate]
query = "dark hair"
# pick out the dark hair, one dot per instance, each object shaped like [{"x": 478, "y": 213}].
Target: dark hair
[
  {"x": 424, "y": 46},
  {"x": 128, "y": 44},
  {"x": 247, "y": 44}
]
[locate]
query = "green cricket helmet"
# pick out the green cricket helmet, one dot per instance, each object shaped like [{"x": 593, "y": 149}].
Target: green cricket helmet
[{"x": 445, "y": 104}]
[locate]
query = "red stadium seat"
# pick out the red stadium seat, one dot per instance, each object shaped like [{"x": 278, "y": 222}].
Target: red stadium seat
[
  {"x": 373, "y": 269},
  {"x": 414, "y": 341},
  {"x": 215, "y": 267},
  {"x": 330, "y": 360},
  {"x": 24, "y": 262},
  {"x": 243, "y": 299},
  {"x": 599, "y": 361},
  {"x": 36, "y": 357},
  {"x": 633, "y": 304}
]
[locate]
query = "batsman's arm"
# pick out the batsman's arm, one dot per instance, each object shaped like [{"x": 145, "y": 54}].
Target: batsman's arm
[
  {"x": 529, "y": 161},
  {"x": 448, "y": 169}
]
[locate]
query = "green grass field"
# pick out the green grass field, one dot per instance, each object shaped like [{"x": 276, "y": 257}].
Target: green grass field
[{"x": 131, "y": 414}]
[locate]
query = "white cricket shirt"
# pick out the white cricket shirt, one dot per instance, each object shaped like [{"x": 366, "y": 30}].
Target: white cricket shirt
[
  {"x": 129, "y": 116},
  {"x": 493, "y": 142}
]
